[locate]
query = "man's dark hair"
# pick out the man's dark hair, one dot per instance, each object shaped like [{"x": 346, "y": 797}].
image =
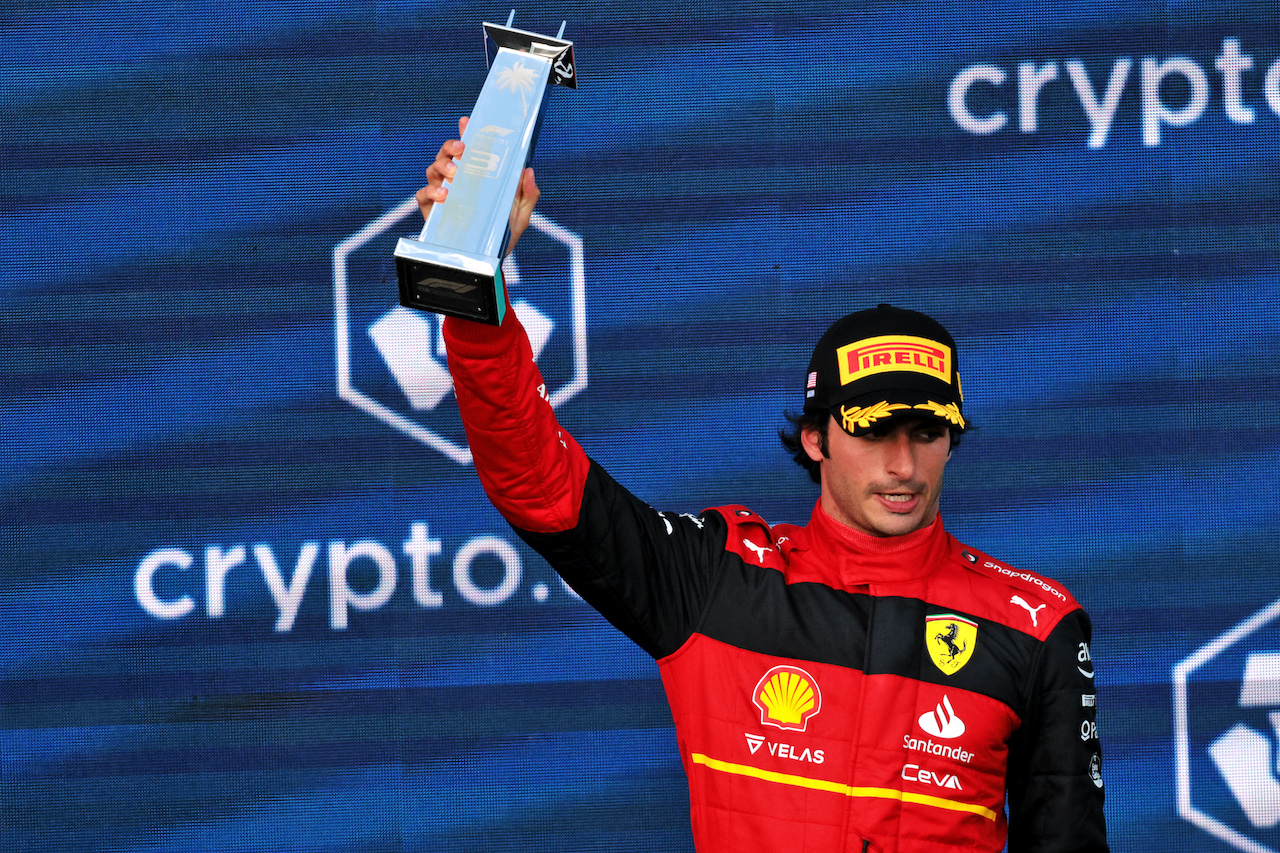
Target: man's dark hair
[
  {"x": 790, "y": 436},
  {"x": 798, "y": 423}
]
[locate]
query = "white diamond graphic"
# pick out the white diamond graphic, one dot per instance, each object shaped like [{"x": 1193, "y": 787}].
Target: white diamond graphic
[{"x": 404, "y": 339}]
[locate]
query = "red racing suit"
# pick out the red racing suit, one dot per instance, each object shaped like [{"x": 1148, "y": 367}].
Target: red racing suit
[{"x": 831, "y": 691}]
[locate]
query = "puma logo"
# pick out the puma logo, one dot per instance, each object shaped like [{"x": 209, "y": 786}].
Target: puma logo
[
  {"x": 1034, "y": 611},
  {"x": 759, "y": 549}
]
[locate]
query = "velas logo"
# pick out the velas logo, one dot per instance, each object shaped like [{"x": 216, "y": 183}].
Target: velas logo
[
  {"x": 787, "y": 697},
  {"x": 950, "y": 640},
  {"x": 888, "y": 353}
]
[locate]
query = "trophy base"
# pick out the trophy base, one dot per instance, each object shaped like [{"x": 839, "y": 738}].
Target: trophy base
[{"x": 447, "y": 281}]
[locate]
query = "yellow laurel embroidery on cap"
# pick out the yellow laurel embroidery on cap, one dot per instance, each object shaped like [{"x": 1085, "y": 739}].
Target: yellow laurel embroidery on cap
[
  {"x": 950, "y": 411},
  {"x": 856, "y": 417}
]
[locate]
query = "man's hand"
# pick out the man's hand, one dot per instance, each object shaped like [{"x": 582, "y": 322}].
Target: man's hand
[{"x": 443, "y": 169}]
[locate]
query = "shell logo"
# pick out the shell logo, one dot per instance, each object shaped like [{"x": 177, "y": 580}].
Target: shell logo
[{"x": 787, "y": 697}]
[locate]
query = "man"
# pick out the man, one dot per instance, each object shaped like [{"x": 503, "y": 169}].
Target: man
[{"x": 863, "y": 683}]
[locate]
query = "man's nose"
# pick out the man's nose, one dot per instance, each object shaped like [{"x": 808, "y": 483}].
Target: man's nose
[{"x": 900, "y": 458}]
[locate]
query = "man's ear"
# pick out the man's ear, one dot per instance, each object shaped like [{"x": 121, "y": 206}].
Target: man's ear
[{"x": 814, "y": 443}]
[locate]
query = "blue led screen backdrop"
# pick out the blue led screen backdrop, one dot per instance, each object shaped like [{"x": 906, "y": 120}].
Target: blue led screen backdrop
[{"x": 253, "y": 597}]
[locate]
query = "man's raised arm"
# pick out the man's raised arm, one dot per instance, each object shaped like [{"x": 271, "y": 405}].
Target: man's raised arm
[{"x": 531, "y": 469}]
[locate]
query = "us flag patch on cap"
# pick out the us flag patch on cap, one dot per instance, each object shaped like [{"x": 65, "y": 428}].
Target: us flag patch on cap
[{"x": 811, "y": 384}]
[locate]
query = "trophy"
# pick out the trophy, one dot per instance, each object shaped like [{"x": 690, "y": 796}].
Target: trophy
[{"x": 455, "y": 265}]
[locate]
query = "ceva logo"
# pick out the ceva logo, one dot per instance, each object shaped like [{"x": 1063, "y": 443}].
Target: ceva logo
[
  {"x": 390, "y": 360},
  {"x": 1226, "y": 699}
]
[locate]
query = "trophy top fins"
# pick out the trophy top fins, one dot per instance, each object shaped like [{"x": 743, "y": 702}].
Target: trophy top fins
[{"x": 454, "y": 266}]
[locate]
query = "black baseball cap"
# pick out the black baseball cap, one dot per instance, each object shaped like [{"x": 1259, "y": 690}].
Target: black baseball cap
[{"x": 883, "y": 363}]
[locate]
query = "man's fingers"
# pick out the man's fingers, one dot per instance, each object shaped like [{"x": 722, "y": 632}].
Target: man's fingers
[
  {"x": 440, "y": 170},
  {"x": 428, "y": 196},
  {"x": 443, "y": 167},
  {"x": 526, "y": 195}
]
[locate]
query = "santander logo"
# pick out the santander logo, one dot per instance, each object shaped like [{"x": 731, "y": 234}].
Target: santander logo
[{"x": 942, "y": 721}]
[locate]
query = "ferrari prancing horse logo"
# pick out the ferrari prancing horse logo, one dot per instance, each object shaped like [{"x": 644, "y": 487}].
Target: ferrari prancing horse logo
[{"x": 950, "y": 640}]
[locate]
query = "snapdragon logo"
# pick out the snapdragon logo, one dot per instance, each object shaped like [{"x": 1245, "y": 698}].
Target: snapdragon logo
[
  {"x": 1227, "y": 735},
  {"x": 390, "y": 360},
  {"x": 1172, "y": 92}
]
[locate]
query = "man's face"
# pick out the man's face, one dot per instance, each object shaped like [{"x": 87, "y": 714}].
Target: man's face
[{"x": 885, "y": 483}]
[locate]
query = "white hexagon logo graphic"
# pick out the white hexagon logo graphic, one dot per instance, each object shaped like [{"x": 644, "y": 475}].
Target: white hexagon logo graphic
[
  {"x": 1226, "y": 706},
  {"x": 390, "y": 360}
]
